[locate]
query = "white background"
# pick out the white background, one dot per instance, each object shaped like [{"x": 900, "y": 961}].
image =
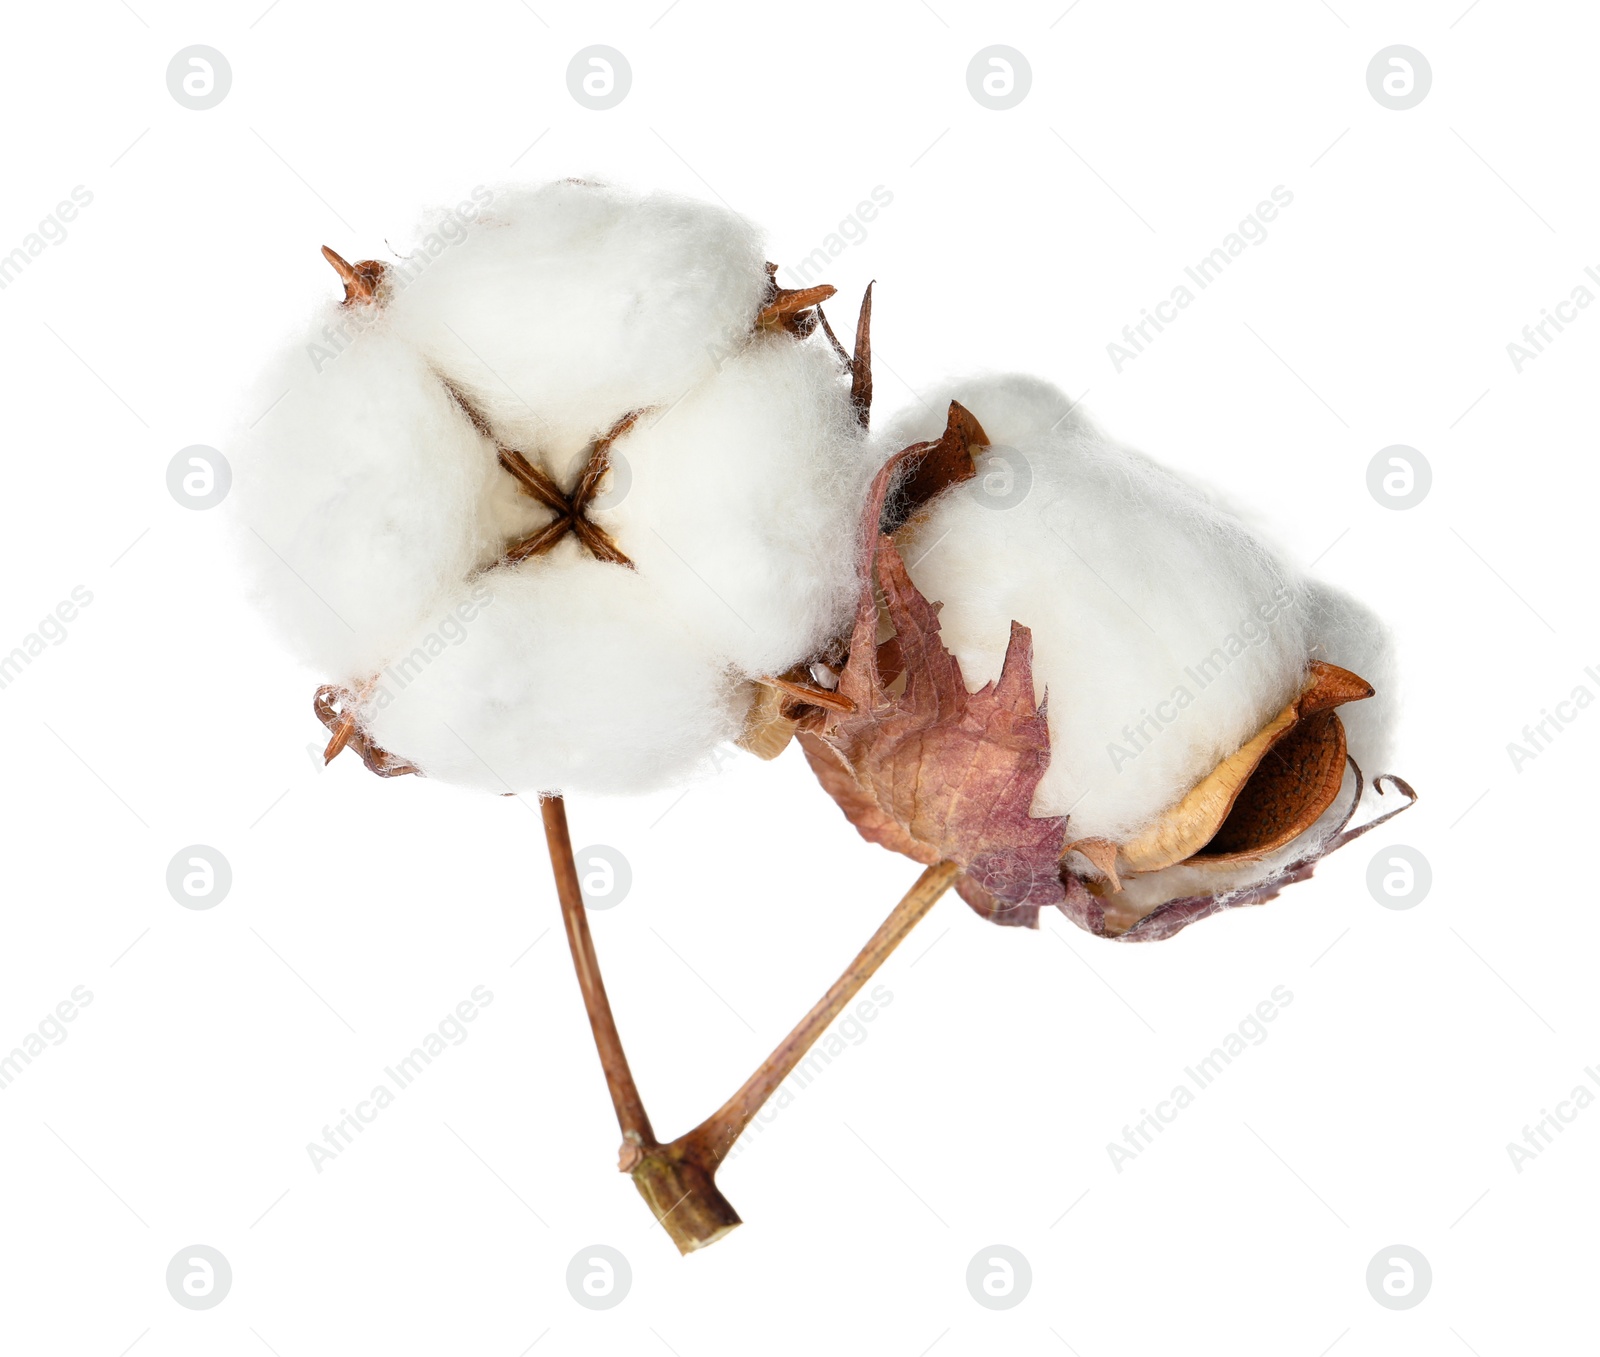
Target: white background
[{"x": 978, "y": 1110}]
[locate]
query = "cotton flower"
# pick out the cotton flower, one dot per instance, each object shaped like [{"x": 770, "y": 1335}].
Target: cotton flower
[{"x": 542, "y": 503}]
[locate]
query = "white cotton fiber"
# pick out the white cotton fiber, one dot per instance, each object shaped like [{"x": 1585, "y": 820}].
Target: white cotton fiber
[
  {"x": 1148, "y": 603},
  {"x": 567, "y": 305},
  {"x": 565, "y": 674},
  {"x": 359, "y": 495},
  {"x": 745, "y": 504}
]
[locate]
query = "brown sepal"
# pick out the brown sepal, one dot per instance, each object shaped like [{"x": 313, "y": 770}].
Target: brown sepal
[
  {"x": 1102, "y": 855},
  {"x": 936, "y": 772},
  {"x": 362, "y": 279},
  {"x": 1175, "y": 915},
  {"x": 861, "y": 361},
  {"x": 808, "y": 693},
  {"x": 336, "y": 709},
  {"x": 1264, "y": 795},
  {"x": 858, "y": 364},
  {"x": 924, "y": 470},
  {"x": 1290, "y": 788},
  {"x": 791, "y": 309}
]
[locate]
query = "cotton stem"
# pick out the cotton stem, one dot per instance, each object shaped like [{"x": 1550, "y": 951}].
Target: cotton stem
[
  {"x": 631, "y": 1116},
  {"x": 678, "y": 1180}
]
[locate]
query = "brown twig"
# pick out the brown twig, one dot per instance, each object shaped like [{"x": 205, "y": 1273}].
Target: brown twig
[
  {"x": 631, "y": 1116},
  {"x": 678, "y": 1180},
  {"x": 714, "y": 1137}
]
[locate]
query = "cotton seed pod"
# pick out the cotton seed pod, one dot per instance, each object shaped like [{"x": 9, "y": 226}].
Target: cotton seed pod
[
  {"x": 542, "y": 503},
  {"x": 1087, "y": 681}
]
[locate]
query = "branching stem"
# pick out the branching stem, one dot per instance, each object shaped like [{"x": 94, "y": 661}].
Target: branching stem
[{"x": 678, "y": 1179}]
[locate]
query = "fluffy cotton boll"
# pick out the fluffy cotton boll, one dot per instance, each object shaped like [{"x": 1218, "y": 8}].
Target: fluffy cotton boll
[
  {"x": 744, "y": 504},
  {"x": 714, "y": 539},
  {"x": 361, "y": 496},
  {"x": 567, "y": 305},
  {"x": 555, "y": 675},
  {"x": 1164, "y": 634}
]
